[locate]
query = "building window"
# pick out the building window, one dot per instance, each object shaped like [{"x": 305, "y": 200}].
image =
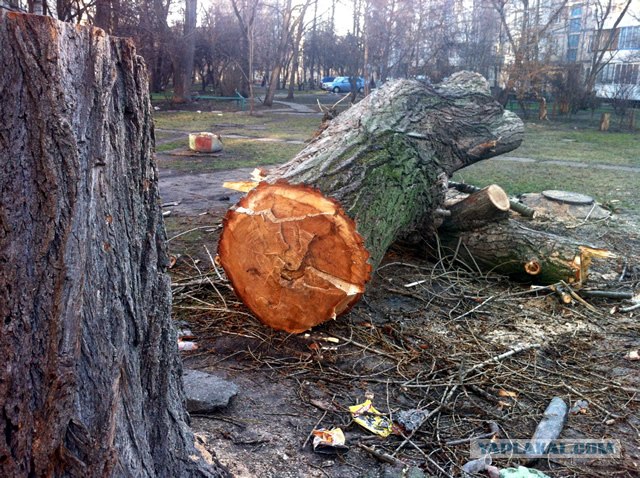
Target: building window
[
  {"x": 572, "y": 55},
  {"x": 574, "y": 25},
  {"x": 573, "y": 41},
  {"x": 627, "y": 74},
  {"x": 620, "y": 73},
  {"x": 629, "y": 38},
  {"x": 604, "y": 41},
  {"x": 576, "y": 11},
  {"x": 606, "y": 75}
]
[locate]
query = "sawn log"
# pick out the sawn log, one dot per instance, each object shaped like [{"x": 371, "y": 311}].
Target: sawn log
[
  {"x": 479, "y": 233},
  {"x": 386, "y": 162}
]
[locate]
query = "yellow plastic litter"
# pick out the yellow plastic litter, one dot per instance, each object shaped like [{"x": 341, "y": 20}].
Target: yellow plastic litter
[{"x": 365, "y": 415}]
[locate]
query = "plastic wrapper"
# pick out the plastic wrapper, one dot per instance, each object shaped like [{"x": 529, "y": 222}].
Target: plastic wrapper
[
  {"x": 366, "y": 415},
  {"x": 329, "y": 442}
]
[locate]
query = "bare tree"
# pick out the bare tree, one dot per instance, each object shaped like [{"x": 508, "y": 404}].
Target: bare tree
[
  {"x": 291, "y": 16},
  {"x": 245, "y": 11},
  {"x": 296, "y": 40},
  {"x": 183, "y": 59},
  {"x": 602, "y": 41},
  {"x": 526, "y": 24}
]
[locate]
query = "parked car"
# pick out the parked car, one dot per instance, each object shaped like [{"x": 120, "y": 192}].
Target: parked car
[
  {"x": 327, "y": 80},
  {"x": 342, "y": 85}
]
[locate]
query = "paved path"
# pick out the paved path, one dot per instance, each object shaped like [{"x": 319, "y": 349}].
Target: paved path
[
  {"x": 296, "y": 107},
  {"x": 573, "y": 164},
  {"x": 198, "y": 193}
]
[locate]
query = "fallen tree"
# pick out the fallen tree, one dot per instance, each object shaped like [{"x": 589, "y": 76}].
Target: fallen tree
[
  {"x": 385, "y": 162},
  {"x": 298, "y": 247},
  {"x": 479, "y": 232},
  {"x": 90, "y": 383}
]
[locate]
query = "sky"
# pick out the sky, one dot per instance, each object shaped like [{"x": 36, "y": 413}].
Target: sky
[{"x": 343, "y": 17}]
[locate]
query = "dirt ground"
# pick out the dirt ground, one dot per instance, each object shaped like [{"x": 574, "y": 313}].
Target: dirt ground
[{"x": 424, "y": 347}]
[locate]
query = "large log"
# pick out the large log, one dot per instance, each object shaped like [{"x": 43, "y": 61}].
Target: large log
[
  {"x": 478, "y": 232},
  {"x": 387, "y": 159},
  {"x": 386, "y": 162},
  {"x": 90, "y": 377}
]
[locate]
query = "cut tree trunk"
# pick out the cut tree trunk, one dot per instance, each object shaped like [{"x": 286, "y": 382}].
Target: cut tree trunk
[
  {"x": 490, "y": 204},
  {"x": 479, "y": 233},
  {"x": 386, "y": 161},
  {"x": 293, "y": 256},
  {"x": 510, "y": 248},
  {"x": 90, "y": 383}
]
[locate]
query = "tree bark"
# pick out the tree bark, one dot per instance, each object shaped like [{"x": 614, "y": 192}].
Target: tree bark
[
  {"x": 90, "y": 382},
  {"x": 386, "y": 162},
  {"x": 525, "y": 254}
]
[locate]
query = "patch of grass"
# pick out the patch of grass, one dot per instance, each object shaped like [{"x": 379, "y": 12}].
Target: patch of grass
[
  {"x": 564, "y": 142},
  {"x": 238, "y": 153},
  {"x": 179, "y": 143},
  {"x": 290, "y": 127},
  {"x": 611, "y": 188}
]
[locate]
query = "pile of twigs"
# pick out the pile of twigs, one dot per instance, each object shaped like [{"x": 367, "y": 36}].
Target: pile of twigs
[{"x": 478, "y": 355}]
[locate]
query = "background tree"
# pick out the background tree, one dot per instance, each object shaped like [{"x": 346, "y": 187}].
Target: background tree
[
  {"x": 287, "y": 23},
  {"x": 526, "y": 27},
  {"x": 295, "y": 49},
  {"x": 246, "y": 11},
  {"x": 183, "y": 56},
  {"x": 603, "y": 39}
]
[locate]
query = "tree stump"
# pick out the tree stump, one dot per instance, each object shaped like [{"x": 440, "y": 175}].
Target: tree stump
[
  {"x": 90, "y": 383},
  {"x": 386, "y": 162}
]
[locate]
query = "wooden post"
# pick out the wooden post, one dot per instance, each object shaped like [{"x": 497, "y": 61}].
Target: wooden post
[{"x": 604, "y": 121}]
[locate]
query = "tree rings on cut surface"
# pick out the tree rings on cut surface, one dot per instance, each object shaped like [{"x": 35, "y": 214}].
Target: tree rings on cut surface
[{"x": 293, "y": 256}]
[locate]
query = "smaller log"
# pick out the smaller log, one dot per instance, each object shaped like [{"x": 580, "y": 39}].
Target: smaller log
[
  {"x": 509, "y": 248},
  {"x": 490, "y": 204},
  {"x": 516, "y": 206},
  {"x": 608, "y": 294},
  {"x": 293, "y": 256},
  {"x": 550, "y": 427}
]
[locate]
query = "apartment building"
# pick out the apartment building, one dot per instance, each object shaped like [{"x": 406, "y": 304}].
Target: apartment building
[{"x": 599, "y": 34}]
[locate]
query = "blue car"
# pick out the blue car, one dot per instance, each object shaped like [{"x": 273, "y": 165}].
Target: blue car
[
  {"x": 325, "y": 84},
  {"x": 342, "y": 85}
]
